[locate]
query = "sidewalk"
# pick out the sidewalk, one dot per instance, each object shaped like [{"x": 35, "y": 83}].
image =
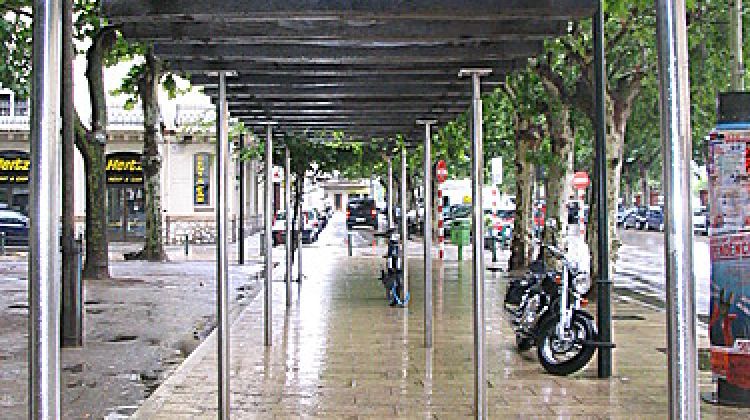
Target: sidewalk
[{"x": 340, "y": 351}]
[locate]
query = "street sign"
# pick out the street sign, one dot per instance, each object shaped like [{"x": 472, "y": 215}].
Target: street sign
[
  {"x": 581, "y": 180},
  {"x": 441, "y": 171},
  {"x": 497, "y": 170}
]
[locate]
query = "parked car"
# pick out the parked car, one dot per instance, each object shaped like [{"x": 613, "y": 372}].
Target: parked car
[
  {"x": 15, "y": 227},
  {"x": 636, "y": 219},
  {"x": 361, "y": 212},
  {"x": 655, "y": 219},
  {"x": 701, "y": 220},
  {"x": 310, "y": 226},
  {"x": 621, "y": 213},
  {"x": 278, "y": 228}
]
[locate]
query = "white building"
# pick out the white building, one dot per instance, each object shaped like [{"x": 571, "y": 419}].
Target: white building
[{"x": 188, "y": 173}]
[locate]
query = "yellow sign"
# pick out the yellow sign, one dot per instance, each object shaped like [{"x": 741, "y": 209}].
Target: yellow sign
[
  {"x": 130, "y": 165},
  {"x": 467, "y": 199},
  {"x": 16, "y": 164}
]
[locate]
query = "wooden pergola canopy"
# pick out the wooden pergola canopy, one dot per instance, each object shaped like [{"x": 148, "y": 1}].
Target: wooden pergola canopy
[{"x": 368, "y": 68}]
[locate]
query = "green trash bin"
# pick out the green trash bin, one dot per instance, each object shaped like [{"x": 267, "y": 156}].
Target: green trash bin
[{"x": 461, "y": 235}]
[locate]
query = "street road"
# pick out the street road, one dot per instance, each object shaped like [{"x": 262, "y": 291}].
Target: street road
[{"x": 640, "y": 268}]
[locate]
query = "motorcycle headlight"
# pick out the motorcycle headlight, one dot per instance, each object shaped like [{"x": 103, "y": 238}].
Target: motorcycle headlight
[{"x": 582, "y": 284}]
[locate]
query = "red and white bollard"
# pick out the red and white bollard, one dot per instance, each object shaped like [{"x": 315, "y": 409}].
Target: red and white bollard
[{"x": 440, "y": 222}]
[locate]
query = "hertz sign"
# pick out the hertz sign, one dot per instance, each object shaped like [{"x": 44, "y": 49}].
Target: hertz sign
[
  {"x": 124, "y": 169},
  {"x": 14, "y": 167}
]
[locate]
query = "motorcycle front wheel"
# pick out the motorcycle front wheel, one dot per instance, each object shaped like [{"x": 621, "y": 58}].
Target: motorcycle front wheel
[{"x": 565, "y": 355}]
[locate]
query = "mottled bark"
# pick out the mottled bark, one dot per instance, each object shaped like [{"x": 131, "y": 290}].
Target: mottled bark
[
  {"x": 559, "y": 180},
  {"x": 148, "y": 91},
  {"x": 615, "y": 148},
  {"x": 91, "y": 144},
  {"x": 520, "y": 245}
]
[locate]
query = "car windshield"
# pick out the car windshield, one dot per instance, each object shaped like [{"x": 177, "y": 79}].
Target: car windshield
[
  {"x": 461, "y": 211},
  {"x": 506, "y": 214}
]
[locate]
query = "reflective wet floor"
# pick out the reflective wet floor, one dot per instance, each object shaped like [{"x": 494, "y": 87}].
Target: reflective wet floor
[{"x": 339, "y": 351}]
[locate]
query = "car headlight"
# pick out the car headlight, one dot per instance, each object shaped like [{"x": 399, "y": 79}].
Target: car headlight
[{"x": 582, "y": 284}]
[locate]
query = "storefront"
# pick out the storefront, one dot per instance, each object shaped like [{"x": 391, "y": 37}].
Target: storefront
[
  {"x": 125, "y": 199},
  {"x": 14, "y": 180}
]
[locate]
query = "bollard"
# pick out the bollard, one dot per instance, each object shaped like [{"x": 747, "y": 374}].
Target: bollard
[
  {"x": 2, "y": 243},
  {"x": 494, "y": 249},
  {"x": 349, "y": 242},
  {"x": 187, "y": 245},
  {"x": 460, "y": 252}
]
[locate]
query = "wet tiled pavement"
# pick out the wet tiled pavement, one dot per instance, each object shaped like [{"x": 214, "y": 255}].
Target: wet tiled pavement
[{"x": 341, "y": 352}]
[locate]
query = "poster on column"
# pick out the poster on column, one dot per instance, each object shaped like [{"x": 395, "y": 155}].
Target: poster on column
[{"x": 729, "y": 323}]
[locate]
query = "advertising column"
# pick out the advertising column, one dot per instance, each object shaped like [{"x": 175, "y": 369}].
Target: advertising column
[{"x": 729, "y": 187}]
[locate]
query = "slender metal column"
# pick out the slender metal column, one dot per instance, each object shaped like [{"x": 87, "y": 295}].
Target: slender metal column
[
  {"x": 44, "y": 211},
  {"x": 604, "y": 284},
  {"x": 477, "y": 180},
  {"x": 267, "y": 215},
  {"x": 222, "y": 248},
  {"x": 288, "y": 218},
  {"x": 71, "y": 320},
  {"x": 674, "y": 89},
  {"x": 389, "y": 202},
  {"x": 404, "y": 227},
  {"x": 301, "y": 226},
  {"x": 241, "y": 230},
  {"x": 427, "y": 231}
]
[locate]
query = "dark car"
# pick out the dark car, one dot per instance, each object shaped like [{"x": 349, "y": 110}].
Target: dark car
[
  {"x": 636, "y": 219},
  {"x": 655, "y": 219},
  {"x": 361, "y": 212},
  {"x": 14, "y": 227}
]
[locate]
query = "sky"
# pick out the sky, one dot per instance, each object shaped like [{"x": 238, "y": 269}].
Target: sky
[{"x": 113, "y": 77}]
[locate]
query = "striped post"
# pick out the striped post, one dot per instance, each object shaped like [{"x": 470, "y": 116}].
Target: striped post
[{"x": 441, "y": 229}]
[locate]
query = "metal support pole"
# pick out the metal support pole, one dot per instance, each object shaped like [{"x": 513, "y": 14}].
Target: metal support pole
[
  {"x": 389, "y": 202},
  {"x": 288, "y": 223},
  {"x": 735, "y": 39},
  {"x": 404, "y": 228},
  {"x": 44, "y": 285},
  {"x": 604, "y": 285},
  {"x": 241, "y": 242},
  {"x": 301, "y": 225},
  {"x": 427, "y": 231},
  {"x": 477, "y": 180},
  {"x": 222, "y": 257},
  {"x": 674, "y": 89},
  {"x": 267, "y": 245}
]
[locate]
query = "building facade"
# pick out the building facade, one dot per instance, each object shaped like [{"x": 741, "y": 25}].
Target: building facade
[{"x": 188, "y": 178}]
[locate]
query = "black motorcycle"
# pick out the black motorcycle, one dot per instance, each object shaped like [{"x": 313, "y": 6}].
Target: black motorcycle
[
  {"x": 392, "y": 277},
  {"x": 550, "y": 315}
]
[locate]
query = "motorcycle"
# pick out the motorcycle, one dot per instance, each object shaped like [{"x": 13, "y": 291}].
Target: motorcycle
[
  {"x": 392, "y": 277},
  {"x": 550, "y": 315}
]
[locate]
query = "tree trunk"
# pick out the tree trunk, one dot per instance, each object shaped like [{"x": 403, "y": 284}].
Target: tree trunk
[
  {"x": 524, "y": 171},
  {"x": 91, "y": 144},
  {"x": 559, "y": 180},
  {"x": 645, "y": 193},
  {"x": 615, "y": 146},
  {"x": 148, "y": 90}
]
